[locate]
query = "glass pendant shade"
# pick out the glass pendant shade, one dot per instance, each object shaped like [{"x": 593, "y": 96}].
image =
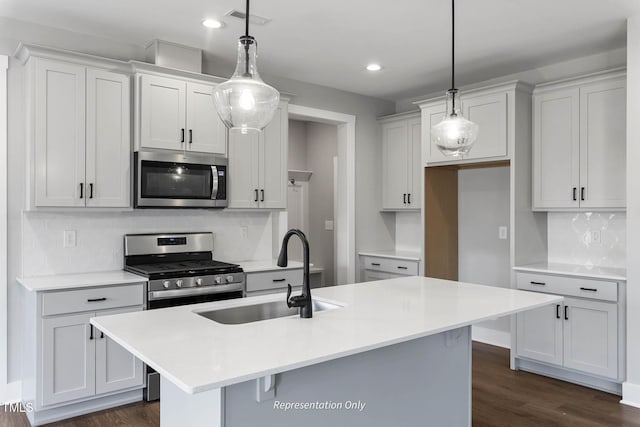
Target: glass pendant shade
[
  {"x": 245, "y": 102},
  {"x": 454, "y": 135}
]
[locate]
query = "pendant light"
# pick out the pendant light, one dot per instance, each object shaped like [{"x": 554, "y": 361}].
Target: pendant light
[
  {"x": 245, "y": 102},
  {"x": 454, "y": 135}
]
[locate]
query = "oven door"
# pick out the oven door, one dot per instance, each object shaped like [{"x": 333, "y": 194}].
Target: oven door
[{"x": 179, "y": 180}]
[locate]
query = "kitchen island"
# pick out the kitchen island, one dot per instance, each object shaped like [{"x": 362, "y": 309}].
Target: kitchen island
[{"x": 393, "y": 351}]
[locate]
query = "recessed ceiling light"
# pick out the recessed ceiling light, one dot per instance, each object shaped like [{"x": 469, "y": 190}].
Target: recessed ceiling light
[
  {"x": 212, "y": 23},
  {"x": 374, "y": 67}
]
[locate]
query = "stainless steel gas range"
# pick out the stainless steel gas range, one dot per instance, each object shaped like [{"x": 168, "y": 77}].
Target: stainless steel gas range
[{"x": 181, "y": 270}]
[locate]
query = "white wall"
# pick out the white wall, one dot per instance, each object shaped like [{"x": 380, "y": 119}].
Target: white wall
[
  {"x": 409, "y": 233},
  {"x": 297, "y": 145},
  {"x": 631, "y": 388},
  {"x": 483, "y": 206},
  {"x": 569, "y": 238}
]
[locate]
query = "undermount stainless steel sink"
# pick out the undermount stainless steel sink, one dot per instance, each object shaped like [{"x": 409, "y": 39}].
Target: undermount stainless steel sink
[{"x": 263, "y": 311}]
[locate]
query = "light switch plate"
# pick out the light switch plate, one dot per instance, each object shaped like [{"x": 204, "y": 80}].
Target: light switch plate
[
  {"x": 502, "y": 233},
  {"x": 328, "y": 225}
]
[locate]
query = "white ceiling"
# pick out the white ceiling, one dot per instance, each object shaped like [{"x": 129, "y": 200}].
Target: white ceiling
[{"x": 328, "y": 42}]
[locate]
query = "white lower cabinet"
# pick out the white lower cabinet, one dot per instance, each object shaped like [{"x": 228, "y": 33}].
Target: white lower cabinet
[
  {"x": 75, "y": 362},
  {"x": 385, "y": 267},
  {"x": 581, "y": 334},
  {"x": 273, "y": 281}
]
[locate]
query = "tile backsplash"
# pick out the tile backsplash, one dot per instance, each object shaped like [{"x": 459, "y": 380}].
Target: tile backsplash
[
  {"x": 99, "y": 246},
  {"x": 573, "y": 238}
]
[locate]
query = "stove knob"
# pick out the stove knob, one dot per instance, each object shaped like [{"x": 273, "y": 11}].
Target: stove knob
[
  {"x": 198, "y": 282},
  {"x": 166, "y": 284},
  {"x": 179, "y": 283},
  {"x": 229, "y": 279},
  {"x": 218, "y": 280}
]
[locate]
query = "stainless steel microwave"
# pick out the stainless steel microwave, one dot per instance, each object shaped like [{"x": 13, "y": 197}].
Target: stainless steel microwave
[{"x": 179, "y": 180}]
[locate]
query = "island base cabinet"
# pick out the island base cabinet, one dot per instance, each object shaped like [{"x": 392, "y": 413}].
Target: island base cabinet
[{"x": 426, "y": 381}]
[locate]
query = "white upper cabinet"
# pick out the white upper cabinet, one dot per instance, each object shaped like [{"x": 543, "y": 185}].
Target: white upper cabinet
[
  {"x": 258, "y": 165},
  {"x": 488, "y": 108},
  {"x": 59, "y": 133},
  {"x": 579, "y": 144},
  {"x": 401, "y": 179},
  {"x": 179, "y": 115},
  {"x": 162, "y": 112},
  {"x": 81, "y": 136}
]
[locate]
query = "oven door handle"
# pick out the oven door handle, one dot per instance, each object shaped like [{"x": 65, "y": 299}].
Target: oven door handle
[
  {"x": 177, "y": 293},
  {"x": 214, "y": 182}
]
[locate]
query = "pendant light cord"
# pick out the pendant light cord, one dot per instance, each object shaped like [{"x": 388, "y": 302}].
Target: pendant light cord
[
  {"x": 246, "y": 41},
  {"x": 246, "y": 24},
  {"x": 453, "y": 27}
]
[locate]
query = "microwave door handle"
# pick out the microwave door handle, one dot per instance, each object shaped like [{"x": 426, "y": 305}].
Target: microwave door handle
[{"x": 214, "y": 182}]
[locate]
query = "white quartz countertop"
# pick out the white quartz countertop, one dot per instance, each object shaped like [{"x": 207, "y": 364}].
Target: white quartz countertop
[
  {"x": 576, "y": 270},
  {"x": 404, "y": 255},
  {"x": 266, "y": 265},
  {"x": 198, "y": 354},
  {"x": 81, "y": 280}
]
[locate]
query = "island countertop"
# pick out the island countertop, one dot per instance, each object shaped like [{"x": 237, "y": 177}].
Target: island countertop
[{"x": 198, "y": 354}]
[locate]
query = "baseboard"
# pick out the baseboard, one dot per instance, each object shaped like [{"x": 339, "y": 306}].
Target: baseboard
[
  {"x": 491, "y": 336},
  {"x": 630, "y": 394},
  {"x": 46, "y": 416},
  {"x": 11, "y": 393}
]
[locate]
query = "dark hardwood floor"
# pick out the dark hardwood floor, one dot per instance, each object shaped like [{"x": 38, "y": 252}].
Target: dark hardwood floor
[{"x": 501, "y": 397}]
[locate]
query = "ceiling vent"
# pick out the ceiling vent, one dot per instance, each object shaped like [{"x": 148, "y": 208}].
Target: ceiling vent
[{"x": 254, "y": 19}]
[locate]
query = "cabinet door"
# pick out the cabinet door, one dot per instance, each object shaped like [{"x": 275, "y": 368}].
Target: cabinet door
[
  {"x": 116, "y": 368},
  {"x": 273, "y": 155},
  {"x": 162, "y": 112},
  {"x": 540, "y": 334},
  {"x": 603, "y": 139},
  {"x": 205, "y": 131},
  {"x": 489, "y": 112},
  {"x": 59, "y": 133},
  {"x": 108, "y": 163},
  {"x": 243, "y": 180},
  {"x": 431, "y": 116},
  {"x": 556, "y": 146},
  {"x": 590, "y": 337},
  {"x": 414, "y": 164},
  {"x": 68, "y": 359},
  {"x": 395, "y": 141}
]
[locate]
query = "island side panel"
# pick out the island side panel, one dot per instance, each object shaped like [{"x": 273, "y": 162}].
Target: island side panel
[
  {"x": 179, "y": 409},
  {"x": 426, "y": 381}
]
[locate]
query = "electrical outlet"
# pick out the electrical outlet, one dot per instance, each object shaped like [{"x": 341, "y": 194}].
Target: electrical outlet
[
  {"x": 502, "y": 233},
  {"x": 244, "y": 232},
  {"x": 596, "y": 237},
  {"x": 328, "y": 225},
  {"x": 69, "y": 239}
]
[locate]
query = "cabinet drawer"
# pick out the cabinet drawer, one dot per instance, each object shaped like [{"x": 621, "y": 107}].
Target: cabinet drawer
[
  {"x": 275, "y": 279},
  {"x": 390, "y": 265},
  {"x": 92, "y": 299},
  {"x": 570, "y": 286}
]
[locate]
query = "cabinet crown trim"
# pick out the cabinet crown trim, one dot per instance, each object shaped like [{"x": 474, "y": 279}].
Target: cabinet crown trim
[
  {"x": 414, "y": 114},
  {"x": 514, "y": 85},
  {"x": 611, "y": 74},
  {"x": 24, "y": 52}
]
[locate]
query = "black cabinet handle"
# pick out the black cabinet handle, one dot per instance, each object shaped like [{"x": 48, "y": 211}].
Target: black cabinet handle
[
  {"x": 589, "y": 289},
  {"x": 557, "y": 311},
  {"x": 538, "y": 283},
  {"x": 96, "y": 299},
  {"x": 409, "y": 198},
  {"x": 575, "y": 194},
  {"x": 190, "y": 136},
  {"x": 582, "y": 194},
  {"x": 278, "y": 280},
  {"x": 81, "y": 190},
  {"x": 182, "y": 135},
  {"x": 566, "y": 313},
  {"x": 101, "y": 335},
  {"x": 256, "y": 198},
  {"x": 91, "y": 334},
  {"x": 403, "y": 268},
  {"x": 91, "y": 190},
  {"x": 377, "y": 264},
  {"x": 262, "y": 195},
  {"x": 404, "y": 198}
]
